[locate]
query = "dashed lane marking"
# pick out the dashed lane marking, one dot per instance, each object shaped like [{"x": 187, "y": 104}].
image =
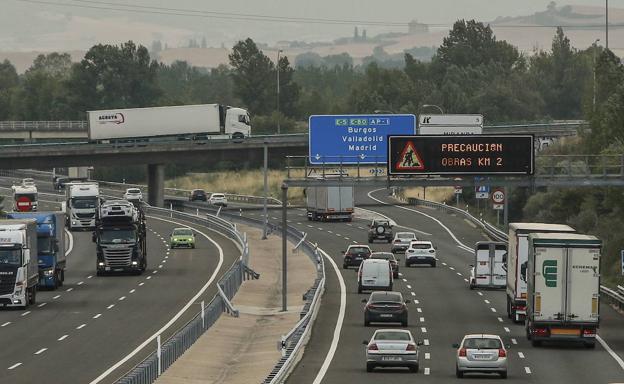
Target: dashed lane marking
[
  {"x": 451, "y": 268},
  {"x": 63, "y": 337},
  {"x": 419, "y": 310},
  {"x": 423, "y": 330},
  {"x": 346, "y": 238},
  {"x": 480, "y": 293},
  {"x": 426, "y": 342},
  {"x": 506, "y": 329},
  {"x": 41, "y": 305},
  {"x": 14, "y": 366},
  {"x": 493, "y": 310},
  {"x": 466, "y": 280},
  {"x": 409, "y": 286},
  {"x": 486, "y": 301},
  {"x": 413, "y": 294},
  {"x": 527, "y": 370},
  {"x": 405, "y": 280},
  {"x": 443, "y": 263},
  {"x": 427, "y": 371},
  {"x": 521, "y": 355},
  {"x": 141, "y": 283},
  {"x": 427, "y": 356},
  {"x": 39, "y": 352},
  {"x": 416, "y": 301},
  {"x": 360, "y": 227},
  {"x": 110, "y": 306},
  {"x": 69, "y": 289},
  {"x": 97, "y": 316},
  {"x": 90, "y": 276},
  {"x": 422, "y": 319},
  {"x": 459, "y": 274},
  {"x": 148, "y": 277},
  {"x": 514, "y": 341},
  {"x": 80, "y": 283},
  {"x": 122, "y": 298},
  {"x": 132, "y": 290},
  {"x": 5, "y": 324},
  {"x": 25, "y": 313},
  {"x": 81, "y": 326},
  {"x": 500, "y": 319}
]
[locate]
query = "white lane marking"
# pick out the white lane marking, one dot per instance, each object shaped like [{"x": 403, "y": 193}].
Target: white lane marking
[
  {"x": 443, "y": 263},
  {"x": 70, "y": 246},
  {"x": 527, "y": 370},
  {"x": 451, "y": 268},
  {"x": 409, "y": 286},
  {"x": 514, "y": 341},
  {"x": 479, "y": 293},
  {"x": 506, "y": 329},
  {"x": 90, "y": 276},
  {"x": 419, "y": 310},
  {"x": 320, "y": 229},
  {"x": 159, "y": 267},
  {"x": 309, "y": 226},
  {"x": 360, "y": 227},
  {"x": 466, "y": 280},
  {"x": 5, "y": 324},
  {"x": 81, "y": 326},
  {"x": 615, "y": 356},
  {"x": 459, "y": 274},
  {"x": 110, "y": 306},
  {"x": 427, "y": 371},
  {"x": 39, "y": 352},
  {"x": 427, "y": 356},
  {"x": 354, "y": 242},
  {"x": 426, "y": 342},
  {"x": 341, "y": 314},
  {"x": 97, "y": 316},
  {"x": 15, "y": 366},
  {"x": 141, "y": 283},
  {"x": 80, "y": 283},
  {"x": 69, "y": 289},
  {"x": 423, "y": 330},
  {"x": 154, "y": 272},
  {"x": 328, "y": 231},
  {"x": 413, "y": 294},
  {"x": 177, "y": 315},
  {"x": 416, "y": 301},
  {"x": 405, "y": 280},
  {"x": 25, "y": 313},
  {"x": 349, "y": 225},
  {"x": 521, "y": 355},
  {"x": 493, "y": 310},
  {"x": 500, "y": 319},
  {"x": 63, "y": 337},
  {"x": 422, "y": 319},
  {"x": 132, "y": 290},
  {"x": 486, "y": 301},
  {"x": 346, "y": 238},
  {"x": 122, "y": 298},
  {"x": 338, "y": 234},
  {"x": 299, "y": 223}
]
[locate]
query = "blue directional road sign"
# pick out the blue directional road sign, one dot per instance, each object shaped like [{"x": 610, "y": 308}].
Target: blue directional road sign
[{"x": 351, "y": 139}]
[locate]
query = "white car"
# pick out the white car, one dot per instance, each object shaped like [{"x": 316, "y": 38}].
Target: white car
[
  {"x": 28, "y": 182},
  {"x": 375, "y": 275},
  {"x": 420, "y": 252},
  {"x": 392, "y": 348},
  {"x": 402, "y": 241},
  {"x": 218, "y": 199},
  {"x": 481, "y": 353},
  {"x": 133, "y": 194}
]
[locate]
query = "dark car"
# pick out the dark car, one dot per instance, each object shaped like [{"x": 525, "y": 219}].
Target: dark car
[
  {"x": 385, "y": 307},
  {"x": 380, "y": 229},
  {"x": 394, "y": 262},
  {"x": 198, "y": 195},
  {"x": 354, "y": 255}
]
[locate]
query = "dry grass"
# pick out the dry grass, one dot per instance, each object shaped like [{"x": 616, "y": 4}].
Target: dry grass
[
  {"x": 437, "y": 194},
  {"x": 239, "y": 182}
]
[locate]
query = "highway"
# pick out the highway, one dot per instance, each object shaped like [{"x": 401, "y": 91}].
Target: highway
[
  {"x": 74, "y": 334},
  {"x": 443, "y": 310}
]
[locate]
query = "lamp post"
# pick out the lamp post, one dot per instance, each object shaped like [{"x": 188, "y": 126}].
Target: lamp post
[
  {"x": 278, "y": 91},
  {"x": 607, "y": 24},
  {"x": 433, "y": 106},
  {"x": 594, "y": 82}
]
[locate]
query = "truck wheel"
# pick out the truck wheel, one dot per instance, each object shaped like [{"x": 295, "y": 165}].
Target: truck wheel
[
  {"x": 345, "y": 266},
  {"x": 369, "y": 367},
  {"x": 32, "y": 296},
  {"x": 536, "y": 343},
  {"x": 414, "y": 368},
  {"x": 590, "y": 345},
  {"x": 508, "y": 308}
]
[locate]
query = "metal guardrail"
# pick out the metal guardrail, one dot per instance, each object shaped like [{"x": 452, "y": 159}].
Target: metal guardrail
[
  {"x": 44, "y": 126},
  {"x": 615, "y": 298},
  {"x": 149, "y": 369}
]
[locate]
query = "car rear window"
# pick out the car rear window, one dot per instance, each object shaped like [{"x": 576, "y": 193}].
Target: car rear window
[
  {"x": 134, "y": 191},
  {"x": 359, "y": 250},
  {"x": 420, "y": 246},
  {"x": 392, "y": 335},
  {"x": 383, "y": 296},
  {"x": 218, "y": 195},
  {"x": 382, "y": 256},
  {"x": 182, "y": 232},
  {"x": 406, "y": 236},
  {"x": 479, "y": 343}
]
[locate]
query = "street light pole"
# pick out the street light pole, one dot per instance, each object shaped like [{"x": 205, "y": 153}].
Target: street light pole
[
  {"x": 278, "y": 91},
  {"x": 594, "y": 83},
  {"x": 433, "y": 106},
  {"x": 265, "y": 213},
  {"x": 607, "y": 24}
]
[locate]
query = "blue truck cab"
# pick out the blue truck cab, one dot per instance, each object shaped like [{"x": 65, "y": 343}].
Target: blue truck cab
[{"x": 50, "y": 244}]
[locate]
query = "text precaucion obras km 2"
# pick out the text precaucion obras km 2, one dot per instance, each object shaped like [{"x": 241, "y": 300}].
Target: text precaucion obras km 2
[{"x": 358, "y": 139}]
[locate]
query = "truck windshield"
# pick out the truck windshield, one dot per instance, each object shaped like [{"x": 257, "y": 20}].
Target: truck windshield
[
  {"x": 30, "y": 196},
  {"x": 10, "y": 256},
  {"x": 117, "y": 236},
  {"x": 45, "y": 245},
  {"x": 83, "y": 202},
  {"x": 244, "y": 119}
]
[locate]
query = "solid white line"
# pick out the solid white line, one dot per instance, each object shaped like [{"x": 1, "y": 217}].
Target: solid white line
[
  {"x": 5, "y": 324},
  {"x": 98, "y": 315},
  {"x": 63, "y": 337},
  {"x": 341, "y": 314},
  {"x": 527, "y": 370},
  {"x": 427, "y": 371},
  {"x": 426, "y": 342},
  {"x": 178, "y": 315},
  {"x": 15, "y": 366},
  {"x": 70, "y": 246},
  {"x": 514, "y": 341},
  {"x": 427, "y": 356},
  {"x": 25, "y": 313},
  {"x": 110, "y": 306},
  {"x": 81, "y": 326},
  {"x": 521, "y": 355},
  {"x": 423, "y": 330},
  {"x": 615, "y": 356},
  {"x": 39, "y": 352}
]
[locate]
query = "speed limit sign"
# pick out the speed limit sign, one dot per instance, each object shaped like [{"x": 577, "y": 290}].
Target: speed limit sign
[{"x": 498, "y": 197}]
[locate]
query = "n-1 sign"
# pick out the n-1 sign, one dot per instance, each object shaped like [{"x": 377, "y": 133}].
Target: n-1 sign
[
  {"x": 450, "y": 124},
  {"x": 355, "y": 139}
]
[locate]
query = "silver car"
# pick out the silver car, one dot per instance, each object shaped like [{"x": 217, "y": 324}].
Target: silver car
[
  {"x": 402, "y": 241},
  {"x": 481, "y": 353},
  {"x": 392, "y": 348}
]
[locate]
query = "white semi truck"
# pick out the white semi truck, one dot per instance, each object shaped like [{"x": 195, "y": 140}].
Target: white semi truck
[
  {"x": 329, "y": 203},
  {"x": 19, "y": 269},
  {"x": 516, "y": 266},
  {"x": 82, "y": 201},
  {"x": 184, "y": 121},
  {"x": 563, "y": 295}
]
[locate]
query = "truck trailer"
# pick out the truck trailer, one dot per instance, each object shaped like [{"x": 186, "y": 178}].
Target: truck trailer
[
  {"x": 82, "y": 201},
  {"x": 563, "y": 293},
  {"x": 19, "y": 272},
  {"x": 182, "y": 122},
  {"x": 50, "y": 246},
  {"x": 330, "y": 203},
  {"x": 517, "y": 259},
  {"x": 120, "y": 238}
]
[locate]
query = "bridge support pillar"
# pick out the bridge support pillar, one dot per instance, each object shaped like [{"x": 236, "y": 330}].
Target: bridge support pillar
[{"x": 156, "y": 185}]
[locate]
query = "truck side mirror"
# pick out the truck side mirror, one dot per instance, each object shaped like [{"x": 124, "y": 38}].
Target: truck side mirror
[
  {"x": 56, "y": 247},
  {"x": 93, "y": 237}
]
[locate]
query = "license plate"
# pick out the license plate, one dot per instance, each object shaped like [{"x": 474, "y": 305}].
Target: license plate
[
  {"x": 107, "y": 268},
  {"x": 565, "y": 331},
  {"x": 390, "y": 358},
  {"x": 481, "y": 357},
  {"x": 358, "y": 258},
  {"x": 421, "y": 257},
  {"x": 385, "y": 315}
]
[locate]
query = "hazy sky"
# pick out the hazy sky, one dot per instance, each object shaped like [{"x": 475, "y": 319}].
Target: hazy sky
[{"x": 70, "y": 24}]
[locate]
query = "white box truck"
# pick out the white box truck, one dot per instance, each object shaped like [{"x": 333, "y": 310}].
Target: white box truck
[
  {"x": 82, "y": 202},
  {"x": 563, "y": 295},
  {"x": 19, "y": 269},
  {"x": 25, "y": 198},
  {"x": 329, "y": 203},
  {"x": 184, "y": 121},
  {"x": 517, "y": 259},
  {"x": 488, "y": 270}
]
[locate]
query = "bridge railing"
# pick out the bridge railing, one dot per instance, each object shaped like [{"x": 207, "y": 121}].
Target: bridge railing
[{"x": 43, "y": 125}]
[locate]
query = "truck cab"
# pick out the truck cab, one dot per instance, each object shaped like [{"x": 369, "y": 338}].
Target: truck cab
[
  {"x": 25, "y": 198},
  {"x": 82, "y": 204},
  {"x": 18, "y": 263},
  {"x": 237, "y": 122},
  {"x": 120, "y": 238}
]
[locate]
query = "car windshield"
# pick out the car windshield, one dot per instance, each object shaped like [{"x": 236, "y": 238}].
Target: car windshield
[
  {"x": 83, "y": 202},
  {"x": 392, "y": 335},
  {"x": 406, "y": 236},
  {"x": 182, "y": 232},
  {"x": 133, "y": 191},
  {"x": 359, "y": 250},
  {"x": 479, "y": 343},
  {"x": 10, "y": 256},
  {"x": 382, "y": 256},
  {"x": 199, "y": 192},
  {"x": 420, "y": 246},
  {"x": 117, "y": 236},
  {"x": 384, "y": 296}
]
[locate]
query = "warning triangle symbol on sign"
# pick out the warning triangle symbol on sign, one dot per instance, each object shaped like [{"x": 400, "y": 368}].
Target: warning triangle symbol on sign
[{"x": 410, "y": 160}]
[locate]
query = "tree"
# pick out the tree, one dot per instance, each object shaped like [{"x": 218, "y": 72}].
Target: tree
[
  {"x": 112, "y": 76},
  {"x": 8, "y": 85},
  {"x": 289, "y": 90},
  {"x": 253, "y": 74}
]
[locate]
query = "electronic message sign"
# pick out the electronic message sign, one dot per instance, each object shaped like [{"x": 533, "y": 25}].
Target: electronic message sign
[{"x": 460, "y": 155}]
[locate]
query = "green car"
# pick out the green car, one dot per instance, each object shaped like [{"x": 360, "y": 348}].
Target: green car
[{"x": 182, "y": 237}]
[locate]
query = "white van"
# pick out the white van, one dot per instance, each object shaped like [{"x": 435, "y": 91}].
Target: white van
[
  {"x": 375, "y": 275},
  {"x": 488, "y": 270}
]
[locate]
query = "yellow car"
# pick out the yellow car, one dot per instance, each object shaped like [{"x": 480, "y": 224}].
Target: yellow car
[{"x": 182, "y": 237}]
